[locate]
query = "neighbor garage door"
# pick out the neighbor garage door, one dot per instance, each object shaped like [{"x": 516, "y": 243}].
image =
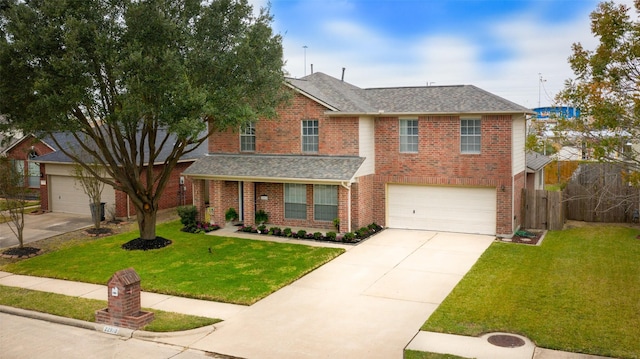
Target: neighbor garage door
[
  {"x": 437, "y": 208},
  {"x": 68, "y": 197}
]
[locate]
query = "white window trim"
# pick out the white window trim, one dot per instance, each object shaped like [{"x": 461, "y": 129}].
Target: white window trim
[
  {"x": 243, "y": 130},
  {"x": 400, "y": 135},
  {"x": 303, "y": 136},
  {"x": 476, "y": 118}
]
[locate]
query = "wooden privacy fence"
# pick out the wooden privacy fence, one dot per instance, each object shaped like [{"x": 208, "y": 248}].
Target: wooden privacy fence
[
  {"x": 542, "y": 209},
  {"x": 599, "y": 192}
]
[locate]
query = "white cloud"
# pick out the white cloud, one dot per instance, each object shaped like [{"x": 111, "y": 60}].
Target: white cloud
[{"x": 527, "y": 45}]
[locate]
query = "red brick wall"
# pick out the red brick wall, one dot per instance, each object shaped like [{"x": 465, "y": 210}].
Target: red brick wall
[
  {"x": 362, "y": 208},
  {"x": 337, "y": 136},
  {"x": 21, "y": 150},
  {"x": 44, "y": 190}
]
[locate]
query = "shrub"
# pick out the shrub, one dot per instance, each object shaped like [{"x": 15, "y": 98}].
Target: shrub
[
  {"x": 231, "y": 215},
  {"x": 302, "y": 233},
  {"x": 276, "y": 231},
  {"x": 206, "y": 227},
  {"x": 262, "y": 216},
  {"x": 248, "y": 229},
  {"x": 331, "y": 236},
  {"x": 362, "y": 232},
  {"x": 287, "y": 232},
  {"x": 349, "y": 237},
  {"x": 262, "y": 228},
  {"x": 317, "y": 236},
  {"x": 336, "y": 223},
  {"x": 187, "y": 215}
]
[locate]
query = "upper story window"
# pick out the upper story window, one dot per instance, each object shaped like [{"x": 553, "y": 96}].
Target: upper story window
[
  {"x": 248, "y": 137},
  {"x": 470, "y": 135},
  {"x": 409, "y": 136},
  {"x": 309, "y": 135}
]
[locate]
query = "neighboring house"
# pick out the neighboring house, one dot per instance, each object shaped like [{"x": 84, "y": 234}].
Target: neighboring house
[
  {"x": 535, "y": 169},
  {"x": 59, "y": 191},
  {"x": 21, "y": 152},
  {"x": 442, "y": 158}
]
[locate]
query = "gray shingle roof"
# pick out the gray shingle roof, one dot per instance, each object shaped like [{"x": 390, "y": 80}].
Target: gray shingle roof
[
  {"x": 536, "y": 161},
  {"x": 349, "y": 99},
  {"x": 66, "y": 139},
  {"x": 276, "y": 168}
]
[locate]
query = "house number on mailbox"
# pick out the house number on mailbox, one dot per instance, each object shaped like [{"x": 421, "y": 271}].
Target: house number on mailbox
[{"x": 114, "y": 291}]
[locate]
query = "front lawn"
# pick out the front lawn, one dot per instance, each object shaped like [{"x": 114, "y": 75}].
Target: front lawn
[
  {"x": 578, "y": 292},
  {"x": 224, "y": 269},
  {"x": 85, "y": 309}
]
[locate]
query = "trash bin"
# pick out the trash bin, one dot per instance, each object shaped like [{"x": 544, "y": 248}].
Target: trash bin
[{"x": 94, "y": 211}]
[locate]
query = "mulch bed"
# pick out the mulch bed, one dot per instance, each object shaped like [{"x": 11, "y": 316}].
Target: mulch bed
[
  {"x": 139, "y": 244},
  {"x": 24, "y": 252}
]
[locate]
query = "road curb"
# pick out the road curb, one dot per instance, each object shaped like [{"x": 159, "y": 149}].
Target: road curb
[{"x": 104, "y": 328}]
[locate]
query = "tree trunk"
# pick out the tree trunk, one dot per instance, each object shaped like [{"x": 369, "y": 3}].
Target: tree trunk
[
  {"x": 20, "y": 227},
  {"x": 147, "y": 223},
  {"x": 97, "y": 214}
]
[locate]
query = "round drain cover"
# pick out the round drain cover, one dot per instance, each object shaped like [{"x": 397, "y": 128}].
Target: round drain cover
[{"x": 505, "y": 341}]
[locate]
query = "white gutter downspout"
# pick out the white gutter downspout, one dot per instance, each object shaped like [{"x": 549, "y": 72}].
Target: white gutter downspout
[{"x": 348, "y": 187}]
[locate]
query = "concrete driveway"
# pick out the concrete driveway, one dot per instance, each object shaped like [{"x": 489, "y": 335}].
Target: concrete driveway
[
  {"x": 368, "y": 303},
  {"x": 41, "y": 226}
]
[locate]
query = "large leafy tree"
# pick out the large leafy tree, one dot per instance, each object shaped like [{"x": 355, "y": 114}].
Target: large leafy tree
[
  {"x": 130, "y": 77},
  {"x": 607, "y": 87}
]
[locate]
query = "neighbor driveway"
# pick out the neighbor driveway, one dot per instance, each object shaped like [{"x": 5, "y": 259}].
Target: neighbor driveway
[
  {"x": 368, "y": 303},
  {"x": 41, "y": 226}
]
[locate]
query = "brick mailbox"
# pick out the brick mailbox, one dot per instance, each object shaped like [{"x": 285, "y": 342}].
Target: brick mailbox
[{"x": 124, "y": 302}]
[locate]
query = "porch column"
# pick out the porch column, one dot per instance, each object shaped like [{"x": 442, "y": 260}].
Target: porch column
[
  {"x": 249, "y": 200},
  {"x": 215, "y": 201},
  {"x": 198, "y": 198},
  {"x": 344, "y": 208}
]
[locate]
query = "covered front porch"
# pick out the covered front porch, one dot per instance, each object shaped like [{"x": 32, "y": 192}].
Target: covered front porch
[{"x": 293, "y": 191}]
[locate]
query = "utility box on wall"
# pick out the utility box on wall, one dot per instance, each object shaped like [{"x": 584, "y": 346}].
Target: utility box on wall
[{"x": 124, "y": 302}]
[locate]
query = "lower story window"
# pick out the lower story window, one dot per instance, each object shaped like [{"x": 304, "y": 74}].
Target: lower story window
[
  {"x": 295, "y": 201},
  {"x": 325, "y": 200}
]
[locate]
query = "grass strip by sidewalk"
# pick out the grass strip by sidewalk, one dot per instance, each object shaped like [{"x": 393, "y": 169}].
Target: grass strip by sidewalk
[
  {"x": 84, "y": 309},
  {"x": 577, "y": 292},
  {"x": 224, "y": 269}
]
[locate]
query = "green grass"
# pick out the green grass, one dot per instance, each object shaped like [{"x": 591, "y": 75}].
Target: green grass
[
  {"x": 4, "y": 205},
  {"x": 84, "y": 309},
  {"x": 236, "y": 270},
  {"x": 578, "y": 292},
  {"x": 413, "y": 354}
]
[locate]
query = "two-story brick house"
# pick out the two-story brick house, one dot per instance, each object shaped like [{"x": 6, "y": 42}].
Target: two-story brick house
[{"x": 445, "y": 158}]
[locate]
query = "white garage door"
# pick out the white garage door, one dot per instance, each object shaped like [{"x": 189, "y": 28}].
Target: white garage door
[
  {"x": 447, "y": 209},
  {"x": 68, "y": 197}
]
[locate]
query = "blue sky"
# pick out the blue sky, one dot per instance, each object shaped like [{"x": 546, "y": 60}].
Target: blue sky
[{"x": 500, "y": 46}]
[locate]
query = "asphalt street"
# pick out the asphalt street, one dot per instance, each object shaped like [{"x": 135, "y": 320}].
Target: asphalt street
[{"x": 26, "y": 338}]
